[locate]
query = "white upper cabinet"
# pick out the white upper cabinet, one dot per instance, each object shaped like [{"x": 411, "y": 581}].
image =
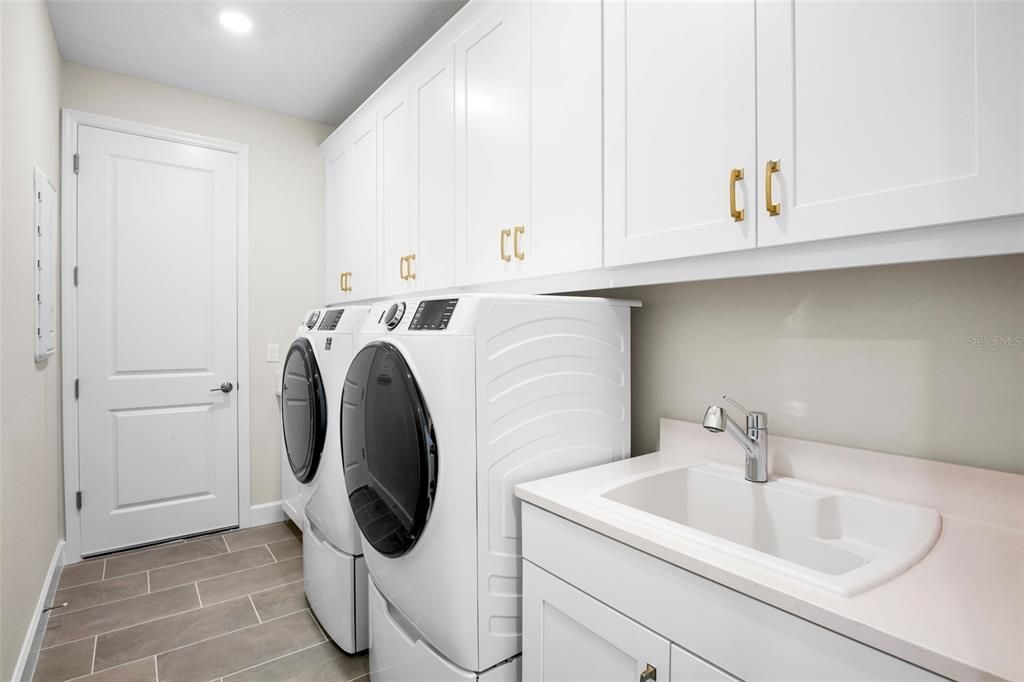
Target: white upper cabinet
[
  {"x": 351, "y": 211},
  {"x": 338, "y": 216},
  {"x": 565, "y": 225},
  {"x": 394, "y": 132},
  {"x": 679, "y": 129},
  {"x": 528, "y": 140},
  {"x": 432, "y": 94},
  {"x": 492, "y": 148},
  {"x": 888, "y": 115}
]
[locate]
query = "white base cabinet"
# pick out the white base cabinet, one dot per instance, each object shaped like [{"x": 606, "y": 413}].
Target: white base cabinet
[{"x": 596, "y": 609}]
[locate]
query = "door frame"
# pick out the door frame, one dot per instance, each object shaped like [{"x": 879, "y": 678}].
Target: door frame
[{"x": 71, "y": 119}]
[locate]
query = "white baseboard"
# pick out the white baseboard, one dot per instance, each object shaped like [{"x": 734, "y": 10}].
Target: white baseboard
[
  {"x": 26, "y": 666},
  {"x": 268, "y": 512}
]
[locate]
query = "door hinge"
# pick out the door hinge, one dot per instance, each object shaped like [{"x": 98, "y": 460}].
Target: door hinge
[
  {"x": 76, "y": 389},
  {"x": 78, "y": 499},
  {"x": 75, "y": 166},
  {"x": 75, "y": 275},
  {"x": 39, "y": 197}
]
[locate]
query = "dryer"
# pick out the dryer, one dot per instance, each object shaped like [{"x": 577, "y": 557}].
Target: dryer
[
  {"x": 448, "y": 404},
  {"x": 334, "y": 570}
]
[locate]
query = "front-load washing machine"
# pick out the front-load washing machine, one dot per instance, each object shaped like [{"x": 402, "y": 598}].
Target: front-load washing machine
[
  {"x": 334, "y": 571},
  {"x": 448, "y": 404}
]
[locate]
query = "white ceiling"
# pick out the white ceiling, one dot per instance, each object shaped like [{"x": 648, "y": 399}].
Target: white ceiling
[{"x": 314, "y": 60}]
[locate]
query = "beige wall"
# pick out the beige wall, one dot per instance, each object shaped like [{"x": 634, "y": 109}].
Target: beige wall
[
  {"x": 285, "y": 220},
  {"x": 31, "y": 513},
  {"x": 884, "y": 358}
]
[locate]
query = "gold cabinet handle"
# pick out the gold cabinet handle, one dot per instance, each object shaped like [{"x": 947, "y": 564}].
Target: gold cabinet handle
[
  {"x": 735, "y": 176},
  {"x": 771, "y": 168},
  {"x": 346, "y": 281},
  {"x": 401, "y": 268},
  {"x": 505, "y": 234},
  {"x": 520, "y": 230},
  {"x": 410, "y": 273}
]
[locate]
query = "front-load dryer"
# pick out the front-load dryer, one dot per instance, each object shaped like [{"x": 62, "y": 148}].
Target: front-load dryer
[
  {"x": 448, "y": 404},
  {"x": 334, "y": 570}
]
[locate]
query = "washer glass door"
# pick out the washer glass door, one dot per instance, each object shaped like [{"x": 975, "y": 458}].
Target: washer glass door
[
  {"x": 388, "y": 448},
  {"x": 303, "y": 410}
]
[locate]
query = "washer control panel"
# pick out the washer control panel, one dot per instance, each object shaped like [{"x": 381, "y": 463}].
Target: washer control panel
[
  {"x": 330, "y": 320},
  {"x": 433, "y": 315},
  {"x": 311, "y": 320},
  {"x": 394, "y": 315}
]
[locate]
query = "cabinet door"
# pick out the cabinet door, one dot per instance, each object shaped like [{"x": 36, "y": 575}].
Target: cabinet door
[
  {"x": 568, "y": 635},
  {"x": 888, "y": 115},
  {"x": 679, "y": 118},
  {"x": 359, "y": 253},
  {"x": 432, "y": 87},
  {"x": 564, "y": 230},
  {"x": 492, "y": 71},
  {"x": 338, "y": 219},
  {"x": 688, "y": 668},
  {"x": 394, "y": 128}
]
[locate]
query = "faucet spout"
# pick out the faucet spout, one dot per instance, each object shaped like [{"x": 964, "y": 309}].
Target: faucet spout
[{"x": 753, "y": 439}]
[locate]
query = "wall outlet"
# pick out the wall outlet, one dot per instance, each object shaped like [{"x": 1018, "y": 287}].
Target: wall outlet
[{"x": 273, "y": 352}]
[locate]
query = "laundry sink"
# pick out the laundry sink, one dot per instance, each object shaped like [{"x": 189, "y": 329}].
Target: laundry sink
[{"x": 839, "y": 540}]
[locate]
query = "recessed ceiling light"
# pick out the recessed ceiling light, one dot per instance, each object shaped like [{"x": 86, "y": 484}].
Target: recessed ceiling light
[{"x": 235, "y": 22}]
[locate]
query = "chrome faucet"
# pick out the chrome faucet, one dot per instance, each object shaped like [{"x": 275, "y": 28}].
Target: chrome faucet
[{"x": 754, "y": 439}]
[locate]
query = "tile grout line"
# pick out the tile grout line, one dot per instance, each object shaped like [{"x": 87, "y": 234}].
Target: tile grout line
[
  {"x": 229, "y": 632},
  {"x": 255, "y": 610},
  {"x": 119, "y": 600},
  {"x": 198, "y": 596},
  {"x": 219, "y": 575},
  {"x": 149, "y": 586},
  {"x": 95, "y": 645},
  {"x": 156, "y": 669},
  {"x": 277, "y": 658},
  {"x": 178, "y": 613}
]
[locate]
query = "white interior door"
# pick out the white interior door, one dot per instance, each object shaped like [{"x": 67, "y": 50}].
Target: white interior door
[{"x": 157, "y": 316}]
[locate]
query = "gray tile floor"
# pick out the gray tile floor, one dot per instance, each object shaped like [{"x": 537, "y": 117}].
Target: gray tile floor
[{"x": 224, "y": 607}]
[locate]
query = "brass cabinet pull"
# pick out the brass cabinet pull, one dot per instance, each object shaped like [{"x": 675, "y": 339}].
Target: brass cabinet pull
[
  {"x": 770, "y": 169},
  {"x": 505, "y": 234},
  {"x": 346, "y": 281},
  {"x": 520, "y": 230},
  {"x": 410, "y": 273},
  {"x": 401, "y": 268},
  {"x": 649, "y": 674},
  {"x": 735, "y": 176}
]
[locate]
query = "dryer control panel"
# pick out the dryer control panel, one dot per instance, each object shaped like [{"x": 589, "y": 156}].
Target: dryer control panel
[
  {"x": 330, "y": 320},
  {"x": 433, "y": 315}
]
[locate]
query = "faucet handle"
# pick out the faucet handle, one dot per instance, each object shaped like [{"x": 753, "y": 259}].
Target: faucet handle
[
  {"x": 755, "y": 420},
  {"x": 742, "y": 409}
]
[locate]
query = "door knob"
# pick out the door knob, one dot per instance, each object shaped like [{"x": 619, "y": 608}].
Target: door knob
[{"x": 226, "y": 387}]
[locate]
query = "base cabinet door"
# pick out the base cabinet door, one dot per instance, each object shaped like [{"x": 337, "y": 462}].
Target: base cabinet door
[
  {"x": 569, "y": 636},
  {"x": 880, "y": 116},
  {"x": 688, "y": 668}
]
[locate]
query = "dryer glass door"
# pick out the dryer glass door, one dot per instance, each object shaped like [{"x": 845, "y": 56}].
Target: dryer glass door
[
  {"x": 388, "y": 448},
  {"x": 303, "y": 410}
]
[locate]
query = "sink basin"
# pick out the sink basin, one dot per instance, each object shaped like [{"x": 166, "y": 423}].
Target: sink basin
[{"x": 835, "y": 539}]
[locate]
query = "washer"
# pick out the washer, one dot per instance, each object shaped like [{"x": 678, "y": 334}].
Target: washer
[
  {"x": 448, "y": 404},
  {"x": 334, "y": 570}
]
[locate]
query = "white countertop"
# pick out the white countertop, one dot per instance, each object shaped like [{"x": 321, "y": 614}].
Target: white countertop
[{"x": 959, "y": 612}]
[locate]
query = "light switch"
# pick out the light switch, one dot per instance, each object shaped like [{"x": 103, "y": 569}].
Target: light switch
[{"x": 273, "y": 353}]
